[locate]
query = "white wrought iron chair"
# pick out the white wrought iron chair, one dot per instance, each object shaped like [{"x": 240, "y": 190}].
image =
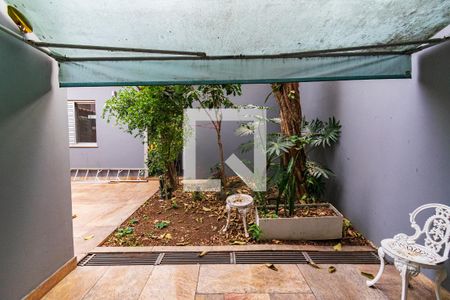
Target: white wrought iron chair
[{"x": 409, "y": 256}]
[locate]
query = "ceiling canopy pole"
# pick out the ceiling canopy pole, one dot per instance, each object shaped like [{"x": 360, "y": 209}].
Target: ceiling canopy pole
[
  {"x": 107, "y": 42},
  {"x": 336, "y": 52},
  {"x": 114, "y": 49}
]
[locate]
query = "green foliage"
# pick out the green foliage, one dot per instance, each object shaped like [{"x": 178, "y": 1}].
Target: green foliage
[
  {"x": 155, "y": 163},
  {"x": 280, "y": 145},
  {"x": 269, "y": 214},
  {"x": 175, "y": 204},
  {"x": 319, "y": 133},
  {"x": 315, "y": 181},
  {"x": 315, "y": 134},
  {"x": 214, "y": 96},
  {"x": 133, "y": 222},
  {"x": 198, "y": 196},
  {"x": 287, "y": 187},
  {"x": 245, "y": 129},
  {"x": 162, "y": 224},
  {"x": 347, "y": 224},
  {"x": 124, "y": 231},
  {"x": 255, "y": 231},
  {"x": 156, "y": 110},
  {"x": 315, "y": 170},
  {"x": 260, "y": 198}
]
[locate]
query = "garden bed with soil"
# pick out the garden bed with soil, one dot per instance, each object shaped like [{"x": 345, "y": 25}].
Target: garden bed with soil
[{"x": 198, "y": 219}]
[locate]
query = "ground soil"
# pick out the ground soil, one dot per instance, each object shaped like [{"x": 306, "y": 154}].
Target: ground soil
[{"x": 198, "y": 219}]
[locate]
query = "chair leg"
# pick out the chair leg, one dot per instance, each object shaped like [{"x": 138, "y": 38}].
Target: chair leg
[
  {"x": 440, "y": 277},
  {"x": 380, "y": 271},
  {"x": 405, "y": 280}
]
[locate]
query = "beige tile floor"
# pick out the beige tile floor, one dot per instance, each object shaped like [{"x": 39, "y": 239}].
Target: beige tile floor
[
  {"x": 226, "y": 282},
  {"x": 101, "y": 208}
]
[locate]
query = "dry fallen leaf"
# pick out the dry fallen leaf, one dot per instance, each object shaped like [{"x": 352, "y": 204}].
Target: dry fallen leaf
[
  {"x": 203, "y": 253},
  {"x": 166, "y": 236},
  {"x": 89, "y": 237},
  {"x": 331, "y": 269},
  {"x": 368, "y": 275},
  {"x": 313, "y": 264},
  {"x": 74, "y": 216},
  {"x": 276, "y": 242},
  {"x": 182, "y": 244},
  {"x": 271, "y": 266},
  {"x": 239, "y": 243},
  {"x": 337, "y": 247},
  {"x": 206, "y": 208}
]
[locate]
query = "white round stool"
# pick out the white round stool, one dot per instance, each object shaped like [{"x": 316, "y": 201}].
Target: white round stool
[{"x": 242, "y": 203}]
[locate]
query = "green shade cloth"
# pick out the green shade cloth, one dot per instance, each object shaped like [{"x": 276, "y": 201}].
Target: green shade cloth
[
  {"x": 243, "y": 71},
  {"x": 232, "y": 27}
]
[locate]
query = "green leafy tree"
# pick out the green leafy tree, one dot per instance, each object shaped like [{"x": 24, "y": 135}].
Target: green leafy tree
[
  {"x": 287, "y": 96},
  {"x": 301, "y": 179},
  {"x": 215, "y": 97},
  {"x": 154, "y": 113}
]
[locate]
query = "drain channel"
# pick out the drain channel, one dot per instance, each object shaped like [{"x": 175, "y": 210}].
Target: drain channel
[
  {"x": 353, "y": 257},
  {"x": 190, "y": 258},
  {"x": 120, "y": 259},
  {"x": 228, "y": 257},
  {"x": 274, "y": 257}
]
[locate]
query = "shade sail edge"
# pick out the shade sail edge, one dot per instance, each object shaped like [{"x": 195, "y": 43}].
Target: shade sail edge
[{"x": 122, "y": 73}]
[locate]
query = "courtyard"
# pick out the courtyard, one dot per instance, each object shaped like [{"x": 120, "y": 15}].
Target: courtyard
[{"x": 332, "y": 114}]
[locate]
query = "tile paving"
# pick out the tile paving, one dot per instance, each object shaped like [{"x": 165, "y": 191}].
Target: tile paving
[
  {"x": 226, "y": 282},
  {"x": 101, "y": 208}
]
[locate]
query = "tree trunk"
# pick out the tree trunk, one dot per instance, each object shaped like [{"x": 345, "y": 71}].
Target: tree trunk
[
  {"x": 172, "y": 175},
  {"x": 288, "y": 99},
  {"x": 221, "y": 156}
]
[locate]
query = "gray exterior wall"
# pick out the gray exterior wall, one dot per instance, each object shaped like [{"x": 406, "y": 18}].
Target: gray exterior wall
[
  {"x": 394, "y": 154},
  {"x": 35, "y": 204},
  {"x": 206, "y": 142},
  {"x": 115, "y": 148}
]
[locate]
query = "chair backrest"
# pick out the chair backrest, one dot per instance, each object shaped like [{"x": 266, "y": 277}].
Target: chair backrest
[{"x": 436, "y": 228}]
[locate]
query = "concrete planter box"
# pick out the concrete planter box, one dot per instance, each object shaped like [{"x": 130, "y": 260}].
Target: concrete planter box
[{"x": 302, "y": 228}]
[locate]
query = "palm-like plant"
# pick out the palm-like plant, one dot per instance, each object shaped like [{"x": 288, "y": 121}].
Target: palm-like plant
[{"x": 314, "y": 134}]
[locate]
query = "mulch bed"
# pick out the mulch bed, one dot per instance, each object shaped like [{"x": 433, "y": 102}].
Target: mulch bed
[{"x": 198, "y": 219}]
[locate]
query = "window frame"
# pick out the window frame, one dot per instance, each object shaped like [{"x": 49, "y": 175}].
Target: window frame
[{"x": 78, "y": 144}]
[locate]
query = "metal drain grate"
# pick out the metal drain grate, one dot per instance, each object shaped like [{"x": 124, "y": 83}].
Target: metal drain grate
[
  {"x": 275, "y": 257},
  {"x": 228, "y": 257},
  {"x": 119, "y": 259},
  {"x": 188, "y": 258},
  {"x": 351, "y": 257}
]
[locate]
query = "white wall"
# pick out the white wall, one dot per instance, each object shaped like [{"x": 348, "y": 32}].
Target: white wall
[{"x": 35, "y": 204}]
